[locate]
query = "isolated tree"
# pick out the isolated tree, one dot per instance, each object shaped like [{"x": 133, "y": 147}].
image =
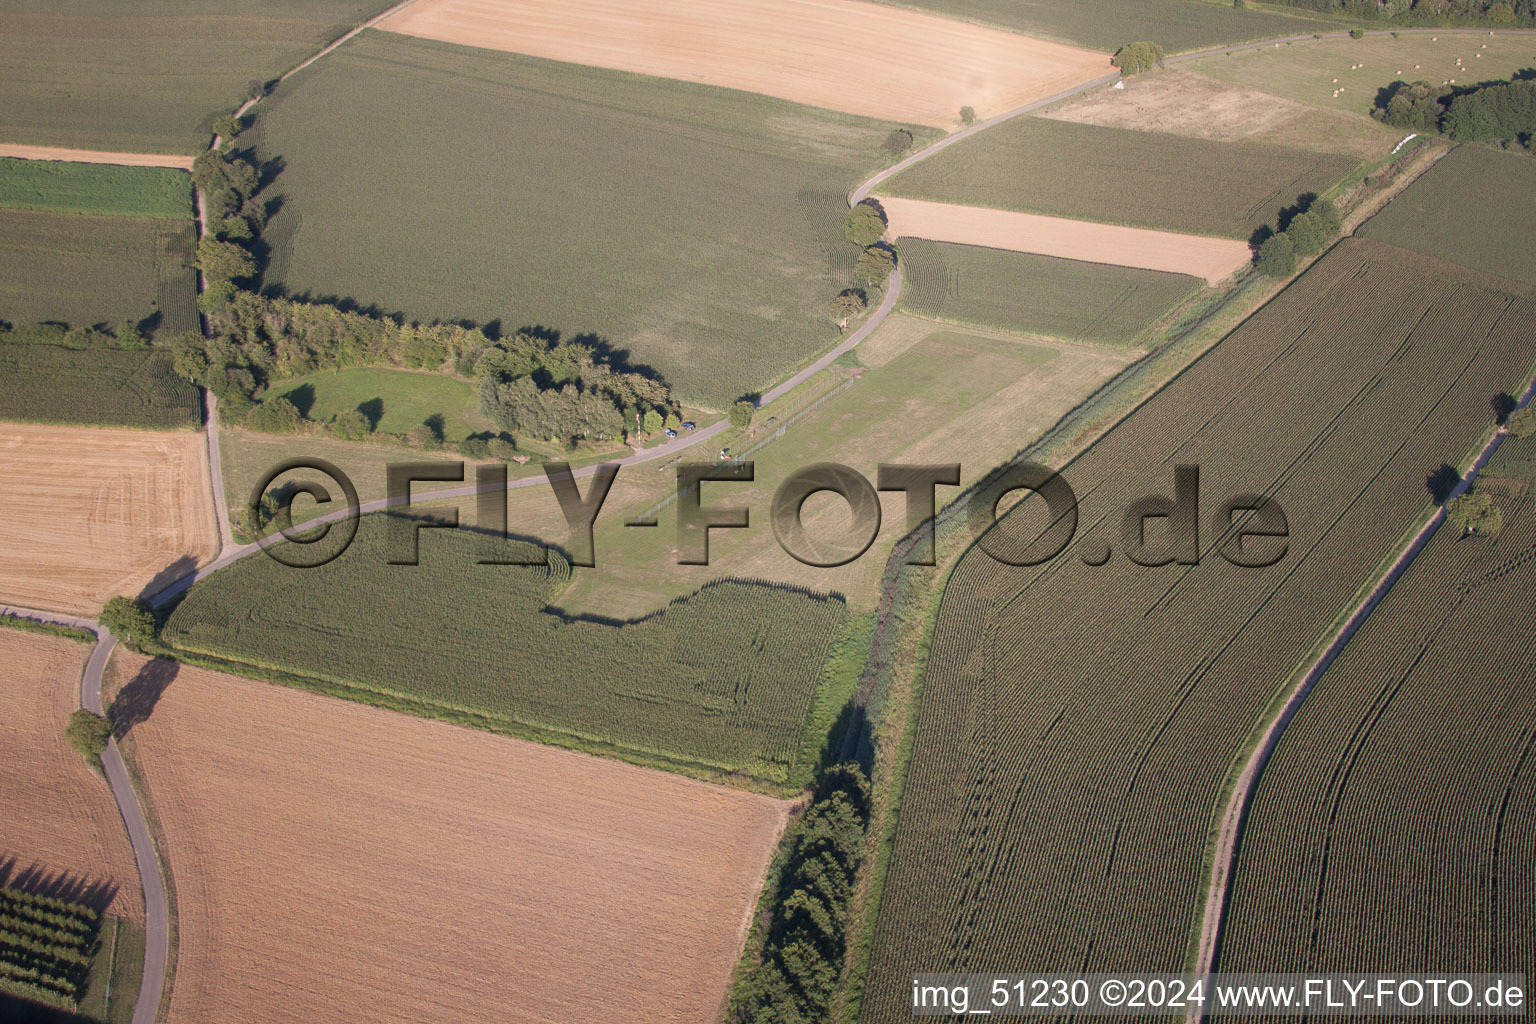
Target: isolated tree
[
  {"x": 741, "y": 413},
  {"x": 1522, "y": 422},
  {"x": 226, "y": 127},
  {"x": 1277, "y": 256},
  {"x": 967, "y": 115},
  {"x": 864, "y": 225},
  {"x": 850, "y": 302},
  {"x": 130, "y": 621},
  {"x": 875, "y": 264},
  {"x": 88, "y": 733},
  {"x": 224, "y": 261},
  {"x": 1474, "y": 512},
  {"x": 898, "y": 142},
  {"x": 1134, "y": 58}
]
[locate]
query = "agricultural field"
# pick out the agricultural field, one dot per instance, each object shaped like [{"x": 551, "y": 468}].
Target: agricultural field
[
  {"x": 97, "y": 189},
  {"x": 1135, "y": 178},
  {"x": 93, "y": 514},
  {"x": 1188, "y": 103},
  {"x": 1166, "y": 252},
  {"x": 1077, "y": 723},
  {"x": 796, "y": 52},
  {"x": 1512, "y": 468},
  {"x": 150, "y": 78},
  {"x": 1109, "y": 24},
  {"x": 1416, "y": 741},
  {"x": 1469, "y": 209},
  {"x": 394, "y": 400},
  {"x": 112, "y": 387},
  {"x": 699, "y": 231},
  {"x": 1037, "y": 295},
  {"x": 354, "y": 861},
  {"x": 60, "y": 818},
  {"x": 720, "y": 680},
  {"x": 86, "y": 270},
  {"x": 1309, "y": 70}
]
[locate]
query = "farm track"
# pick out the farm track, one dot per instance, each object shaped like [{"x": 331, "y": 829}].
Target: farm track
[{"x": 1229, "y": 835}]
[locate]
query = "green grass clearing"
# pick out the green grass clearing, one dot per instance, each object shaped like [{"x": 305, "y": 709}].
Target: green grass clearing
[
  {"x": 697, "y": 229},
  {"x": 99, "y": 189},
  {"x": 1038, "y": 295},
  {"x": 395, "y": 400}
]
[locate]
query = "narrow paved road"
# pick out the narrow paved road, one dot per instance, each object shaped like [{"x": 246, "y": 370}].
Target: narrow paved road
[{"x": 1229, "y": 834}]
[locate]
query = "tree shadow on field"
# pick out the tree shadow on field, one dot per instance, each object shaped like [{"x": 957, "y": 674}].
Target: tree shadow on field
[
  {"x": 183, "y": 566},
  {"x": 97, "y": 894},
  {"x": 374, "y": 410},
  {"x": 136, "y": 701},
  {"x": 1442, "y": 482},
  {"x": 303, "y": 398},
  {"x": 1503, "y": 404}
]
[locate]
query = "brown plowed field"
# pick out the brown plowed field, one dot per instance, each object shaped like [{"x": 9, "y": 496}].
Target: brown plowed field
[
  {"x": 96, "y": 156},
  {"x": 90, "y": 514},
  {"x": 1089, "y": 241},
  {"x": 58, "y": 815},
  {"x": 862, "y": 58},
  {"x": 335, "y": 862}
]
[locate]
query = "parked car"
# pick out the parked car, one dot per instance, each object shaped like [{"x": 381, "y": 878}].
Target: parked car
[
  {"x": 690, "y": 425},
  {"x": 671, "y": 432}
]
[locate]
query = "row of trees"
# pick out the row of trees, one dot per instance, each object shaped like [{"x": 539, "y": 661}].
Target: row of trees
[
  {"x": 1500, "y": 112},
  {"x": 125, "y": 335},
  {"x": 1305, "y": 229},
  {"x": 1428, "y": 12},
  {"x": 802, "y": 963}
]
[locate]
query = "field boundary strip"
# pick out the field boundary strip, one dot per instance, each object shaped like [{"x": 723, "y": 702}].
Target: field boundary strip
[{"x": 95, "y": 156}]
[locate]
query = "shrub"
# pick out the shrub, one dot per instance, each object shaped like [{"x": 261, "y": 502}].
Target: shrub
[
  {"x": 1134, "y": 58},
  {"x": 967, "y": 115},
  {"x": 1357, "y": 33},
  {"x": 898, "y": 142},
  {"x": 1474, "y": 512},
  {"x": 741, "y": 413},
  {"x": 88, "y": 733},
  {"x": 353, "y": 425},
  {"x": 275, "y": 416},
  {"x": 1522, "y": 422}
]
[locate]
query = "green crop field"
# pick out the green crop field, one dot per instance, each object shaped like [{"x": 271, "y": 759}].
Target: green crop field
[
  {"x": 1109, "y": 24},
  {"x": 101, "y": 386},
  {"x": 101, "y": 189},
  {"x": 1076, "y": 723},
  {"x": 149, "y": 77},
  {"x": 47, "y": 947},
  {"x": 1119, "y": 176},
  {"x": 1512, "y": 468},
  {"x": 723, "y": 679},
  {"x": 1031, "y": 294},
  {"x": 1306, "y": 70},
  {"x": 1392, "y": 827},
  {"x": 697, "y": 229},
  {"x": 83, "y": 270},
  {"x": 397, "y": 399},
  {"x": 1447, "y": 213}
]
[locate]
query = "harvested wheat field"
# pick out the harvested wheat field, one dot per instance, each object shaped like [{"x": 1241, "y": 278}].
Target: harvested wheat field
[
  {"x": 1089, "y": 241},
  {"x": 927, "y": 68},
  {"x": 59, "y": 816},
  {"x": 96, "y": 156},
  {"x": 335, "y": 862},
  {"x": 90, "y": 514}
]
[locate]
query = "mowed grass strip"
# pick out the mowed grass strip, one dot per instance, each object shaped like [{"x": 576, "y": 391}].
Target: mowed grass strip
[
  {"x": 1121, "y": 176},
  {"x": 723, "y": 679},
  {"x": 1077, "y": 723},
  {"x": 150, "y": 77},
  {"x": 1039, "y": 295},
  {"x": 1447, "y": 213},
  {"x": 394, "y": 400},
  {"x": 100, "y": 189},
  {"x": 1437, "y": 684},
  {"x": 1109, "y": 24},
  {"x": 698, "y": 230},
  {"x": 86, "y": 270},
  {"x": 95, "y": 387}
]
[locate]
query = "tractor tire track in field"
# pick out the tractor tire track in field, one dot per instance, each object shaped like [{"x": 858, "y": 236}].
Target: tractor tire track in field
[{"x": 1228, "y": 844}]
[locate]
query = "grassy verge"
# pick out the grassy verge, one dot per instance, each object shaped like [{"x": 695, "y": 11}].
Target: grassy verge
[
  {"x": 114, "y": 981},
  {"x": 83, "y": 636}
]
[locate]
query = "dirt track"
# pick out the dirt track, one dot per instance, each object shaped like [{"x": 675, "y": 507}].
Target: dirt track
[
  {"x": 339, "y": 863},
  {"x": 1199, "y": 256},
  {"x": 90, "y": 514},
  {"x": 96, "y": 156},
  {"x": 849, "y": 55},
  {"x": 58, "y": 814}
]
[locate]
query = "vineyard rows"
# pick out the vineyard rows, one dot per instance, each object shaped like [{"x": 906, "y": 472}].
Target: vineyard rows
[
  {"x": 46, "y": 947},
  {"x": 724, "y": 678},
  {"x": 1391, "y": 830},
  {"x": 1077, "y": 723}
]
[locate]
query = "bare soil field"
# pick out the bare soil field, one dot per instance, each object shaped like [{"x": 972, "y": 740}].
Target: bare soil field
[
  {"x": 59, "y": 815},
  {"x": 925, "y": 69},
  {"x": 1197, "y": 255},
  {"x": 335, "y": 862},
  {"x": 1198, "y": 106},
  {"x": 96, "y": 156},
  {"x": 90, "y": 514}
]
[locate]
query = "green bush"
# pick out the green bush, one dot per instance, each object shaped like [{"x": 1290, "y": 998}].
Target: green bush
[
  {"x": 1474, "y": 512},
  {"x": 741, "y": 413},
  {"x": 1357, "y": 33},
  {"x": 967, "y": 116},
  {"x": 130, "y": 621},
  {"x": 88, "y": 734},
  {"x": 1134, "y": 58},
  {"x": 1277, "y": 256},
  {"x": 865, "y": 224},
  {"x": 1522, "y": 422}
]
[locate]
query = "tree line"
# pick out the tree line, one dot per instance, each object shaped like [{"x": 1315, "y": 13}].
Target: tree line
[
  {"x": 1503, "y": 112},
  {"x": 1427, "y": 12},
  {"x": 1305, "y": 229}
]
